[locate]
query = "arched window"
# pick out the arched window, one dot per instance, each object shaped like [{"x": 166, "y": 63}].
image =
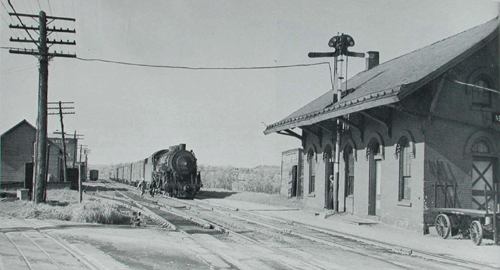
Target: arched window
[
  {"x": 405, "y": 154},
  {"x": 375, "y": 147},
  {"x": 481, "y": 146},
  {"x": 312, "y": 170}
]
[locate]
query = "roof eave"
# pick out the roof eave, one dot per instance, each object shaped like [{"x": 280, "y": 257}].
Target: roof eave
[{"x": 336, "y": 113}]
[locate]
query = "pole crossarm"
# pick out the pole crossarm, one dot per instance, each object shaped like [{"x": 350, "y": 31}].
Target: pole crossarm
[
  {"x": 61, "y": 42},
  {"x": 58, "y": 132},
  {"x": 25, "y": 27},
  {"x": 57, "y": 108},
  {"x": 36, "y": 16},
  {"x": 54, "y": 29},
  {"x": 36, "y": 52},
  {"x": 61, "y": 113}
]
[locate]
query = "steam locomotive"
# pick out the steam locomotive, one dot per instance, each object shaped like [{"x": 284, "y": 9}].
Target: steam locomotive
[{"x": 171, "y": 171}]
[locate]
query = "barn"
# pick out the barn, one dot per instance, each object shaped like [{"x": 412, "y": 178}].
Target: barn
[{"x": 419, "y": 131}]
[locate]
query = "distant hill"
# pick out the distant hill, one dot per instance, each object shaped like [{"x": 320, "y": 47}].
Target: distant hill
[{"x": 264, "y": 178}]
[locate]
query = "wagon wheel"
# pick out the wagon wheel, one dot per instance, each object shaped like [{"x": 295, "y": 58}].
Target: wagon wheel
[
  {"x": 443, "y": 225},
  {"x": 476, "y": 232}
]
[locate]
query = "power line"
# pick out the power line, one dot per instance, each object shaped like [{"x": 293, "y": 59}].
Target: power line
[
  {"x": 19, "y": 69},
  {"x": 209, "y": 68},
  {"x": 50, "y": 8},
  {"x": 200, "y": 68},
  {"x": 14, "y": 33},
  {"x": 31, "y": 7}
]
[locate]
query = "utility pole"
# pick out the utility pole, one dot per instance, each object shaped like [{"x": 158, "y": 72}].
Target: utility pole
[
  {"x": 81, "y": 150},
  {"x": 43, "y": 56},
  {"x": 60, "y": 108},
  {"x": 76, "y": 137},
  {"x": 82, "y": 174},
  {"x": 340, "y": 44}
]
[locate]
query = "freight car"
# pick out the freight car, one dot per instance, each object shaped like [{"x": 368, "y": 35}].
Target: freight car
[
  {"x": 171, "y": 171},
  {"x": 94, "y": 175}
]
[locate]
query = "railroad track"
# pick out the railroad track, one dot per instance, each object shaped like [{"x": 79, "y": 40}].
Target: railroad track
[
  {"x": 38, "y": 250},
  {"x": 279, "y": 235},
  {"x": 180, "y": 221}
]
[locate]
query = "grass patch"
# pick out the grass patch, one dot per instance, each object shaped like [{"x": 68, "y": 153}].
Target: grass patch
[{"x": 63, "y": 205}]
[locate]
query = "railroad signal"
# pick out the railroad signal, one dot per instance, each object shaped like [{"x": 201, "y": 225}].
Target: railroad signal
[{"x": 341, "y": 44}]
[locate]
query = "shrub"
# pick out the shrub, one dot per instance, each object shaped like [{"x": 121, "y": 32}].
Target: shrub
[
  {"x": 88, "y": 211},
  {"x": 97, "y": 212}
]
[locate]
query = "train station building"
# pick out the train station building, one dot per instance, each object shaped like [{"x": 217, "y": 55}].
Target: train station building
[{"x": 419, "y": 131}]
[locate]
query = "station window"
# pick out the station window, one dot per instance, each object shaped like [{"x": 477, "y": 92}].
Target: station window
[
  {"x": 312, "y": 171},
  {"x": 481, "y": 97},
  {"x": 405, "y": 157}
]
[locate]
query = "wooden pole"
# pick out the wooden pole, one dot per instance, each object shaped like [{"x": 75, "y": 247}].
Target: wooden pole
[
  {"x": 80, "y": 185},
  {"x": 41, "y": 126},
  {"x": 76, "y": 150},
  {"x": 495, "y": 216},
  {"x": 63, "y": 142},
  {"x": 336, "y": 167}
]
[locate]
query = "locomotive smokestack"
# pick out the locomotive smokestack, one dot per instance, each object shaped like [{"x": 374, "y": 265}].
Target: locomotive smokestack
[{"x": 182, "y": 146}]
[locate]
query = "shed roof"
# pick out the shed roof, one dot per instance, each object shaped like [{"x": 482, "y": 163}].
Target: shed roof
[
  {"x": 24, "y": 122},
  {"x": 393, "y": 80}
]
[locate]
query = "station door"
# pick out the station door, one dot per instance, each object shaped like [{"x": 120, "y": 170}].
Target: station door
[{"x": 482, "y": 178}]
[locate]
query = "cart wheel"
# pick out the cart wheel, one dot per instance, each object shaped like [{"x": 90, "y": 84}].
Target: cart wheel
[
  {"x": 476, "y": 232},
  {"x": 443, "y": 225}
]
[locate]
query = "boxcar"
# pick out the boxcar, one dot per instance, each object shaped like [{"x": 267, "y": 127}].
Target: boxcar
[{"x": 94, "y": 175}]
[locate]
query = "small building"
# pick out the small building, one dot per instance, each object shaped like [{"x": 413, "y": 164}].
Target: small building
[
  {"x": 18, "y": 146},
  {"x": 71, "y": 148},
  {"x": 17, "y": 151},
  {"x": 419, "y": 131},
  {"x": 292, "y": 178}
]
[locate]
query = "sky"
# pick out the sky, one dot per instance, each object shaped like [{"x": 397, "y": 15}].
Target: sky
[{"x": 127, "y": 112}]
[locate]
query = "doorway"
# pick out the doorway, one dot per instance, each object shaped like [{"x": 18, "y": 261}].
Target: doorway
[
  {"x": 328, "y": 173},
  {"x": 483, "y": 169},
  {"x": 374, "y": 182},
  {"x": 349, "y": 179}
]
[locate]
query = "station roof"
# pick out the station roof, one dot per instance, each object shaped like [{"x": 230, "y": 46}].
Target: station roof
[{"x": 393, "y": 80}]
